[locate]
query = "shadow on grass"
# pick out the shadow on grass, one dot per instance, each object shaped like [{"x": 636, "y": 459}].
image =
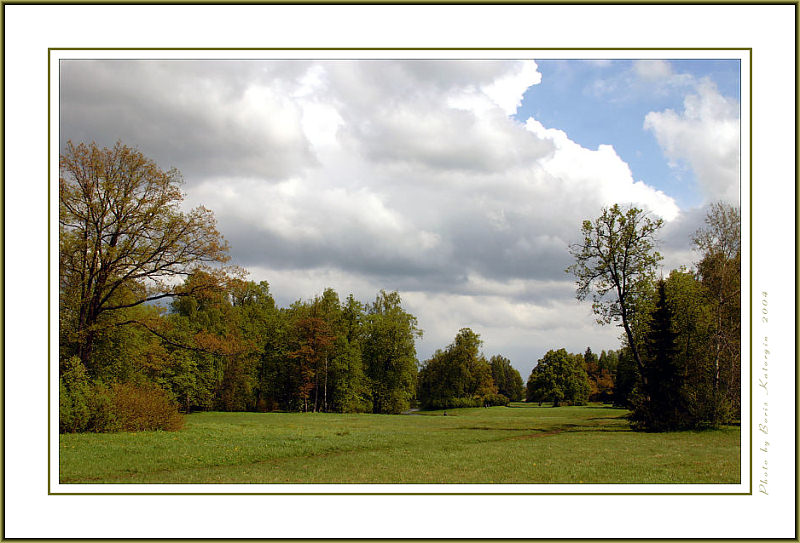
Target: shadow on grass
[
  {"x": 551, "y": 430},
  {"x": 546, "y": 405}
]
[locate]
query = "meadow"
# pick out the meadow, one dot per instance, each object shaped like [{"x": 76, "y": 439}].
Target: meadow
[{"x": 521, "y": 443}]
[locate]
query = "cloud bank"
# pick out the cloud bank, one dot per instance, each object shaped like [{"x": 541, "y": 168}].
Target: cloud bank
[{"x": 408, "y": 175}]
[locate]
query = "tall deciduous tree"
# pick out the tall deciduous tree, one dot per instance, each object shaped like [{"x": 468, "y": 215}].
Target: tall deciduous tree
[
  {"x": 558, "y": 377},
  {"x": 214, "y": 325},
  {"x": 719, "y": 242},
  {"x": 692, "y": 324},
  {"x": 315, "y": 330},
  {"x": 123, "y": 238},
  {"x": 616, "y": 263},
  {"x": 348, "y": 383},
  {"x": 507, "y": 378},
  {"x": 390, "y": 356},
  {"x": 458, "y": 376}
]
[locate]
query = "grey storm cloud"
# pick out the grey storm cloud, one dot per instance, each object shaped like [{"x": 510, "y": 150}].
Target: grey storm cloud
[{"x": 201, "y": 117}]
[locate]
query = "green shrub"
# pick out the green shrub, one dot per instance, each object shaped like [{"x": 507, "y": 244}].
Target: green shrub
[
  {"x": 495, "y": 399},
  {"x": 453, "y": 403},
  {"x": 72, "y": 410},
  {"x": 74, "y": 397},
  {"x": 102, "y": 415}
]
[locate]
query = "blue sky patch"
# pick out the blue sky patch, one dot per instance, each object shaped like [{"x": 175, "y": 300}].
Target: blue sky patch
[{"x": 605, "y": 102}]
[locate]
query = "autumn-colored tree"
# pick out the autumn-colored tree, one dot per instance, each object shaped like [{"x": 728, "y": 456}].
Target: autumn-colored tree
[
  {"x": 123, "y": 238},
  {"x": 291, "y": 374},
  {"x": 315, "y": 339},
  {"x": 601, "y": 382}
]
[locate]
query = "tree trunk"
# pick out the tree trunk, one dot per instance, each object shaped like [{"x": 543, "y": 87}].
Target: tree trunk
[
  {"x": 85, "y": 349},
  {"x": 325, "y": 397},
  {"x": 316, "y": 387},
  {"x": 636, "y": 356}
]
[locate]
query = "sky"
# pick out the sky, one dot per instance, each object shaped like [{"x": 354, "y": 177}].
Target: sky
[{"x": 458, "y": 183}]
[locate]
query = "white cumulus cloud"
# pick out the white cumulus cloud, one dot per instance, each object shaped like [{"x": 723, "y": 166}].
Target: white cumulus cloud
[
  {"x": 598, "y": 176},
  {"x": 705, "y": 136}
]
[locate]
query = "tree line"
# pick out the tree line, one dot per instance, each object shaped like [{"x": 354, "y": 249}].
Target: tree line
[
  {"x": 460, "y": 376},
  {"x": 153, "y": 321},
  {"x": 681, "y": 339}
]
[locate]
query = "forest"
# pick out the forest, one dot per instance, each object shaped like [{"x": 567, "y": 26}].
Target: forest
[{"x": 154, "y": 323}]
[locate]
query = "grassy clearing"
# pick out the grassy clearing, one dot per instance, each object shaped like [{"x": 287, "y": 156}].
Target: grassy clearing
[{"x": 517, "y": 444}]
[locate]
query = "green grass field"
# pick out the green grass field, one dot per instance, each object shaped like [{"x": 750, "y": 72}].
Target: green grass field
[{"x": 517, "y": 444}]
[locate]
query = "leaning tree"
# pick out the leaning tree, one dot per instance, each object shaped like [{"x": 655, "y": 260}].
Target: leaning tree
[{"x": 616, "y": 263}]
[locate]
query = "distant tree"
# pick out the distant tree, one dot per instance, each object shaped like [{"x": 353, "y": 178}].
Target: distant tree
[
  {"x": 220, "y": 369},
  {"x": 278, "y": 382},
  {"x": 389, "y": 353},
  {"x": 458, "y": 376},
  {"x": 349, "y": 387},
  {"x": 602, "y": 385},
  {"x": 506, "y": 378},
  {"x": 558, "y": 377},
  {"x": 315, "y": 340},
  {"x": 258, "y": 322},
  {"x": 326, "y": 355},
  {"x": 616, "y": 262},
  {"x": 601, "y": 382},
  {"x": 122, "y": 239},
  {"x": 589, "y": 357},
  {"x": 608, "y": 361}
]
